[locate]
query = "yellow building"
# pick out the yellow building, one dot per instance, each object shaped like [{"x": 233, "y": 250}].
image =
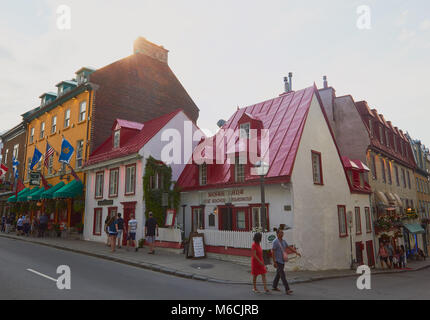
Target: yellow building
[{"x": 64, "y": 114}]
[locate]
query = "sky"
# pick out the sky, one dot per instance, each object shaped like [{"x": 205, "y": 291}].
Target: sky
[{"x": 228, "y": 53}]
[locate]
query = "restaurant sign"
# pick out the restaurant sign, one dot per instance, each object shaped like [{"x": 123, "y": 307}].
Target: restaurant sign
[
  {"x": 105, "y": 202},
  {"x": 224, "y": 196}
]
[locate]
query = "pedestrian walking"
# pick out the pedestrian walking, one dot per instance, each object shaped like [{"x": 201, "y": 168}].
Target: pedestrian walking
[
  {"x": 3, "y": 223},
  {"x": 8, "y": 223},
  {"x": 257, "y": 263},
  {"x": 43, "y": 224},
  {"x": 383, "y": 255},
  {"x": 402, "y": 254},
  {"x": 113, "y": 232},
  {"x": 131, "y": 232},
  {"x": 106, "y": 227},
  {"x": 390, "y": 251},
  {"x": 26, "y": 225},
  {"x": 120, "y": 223},
  {"x": 151, "y": 229},
  {"x": 280, "y": 257},
  {"x": 19, "y": 225}
]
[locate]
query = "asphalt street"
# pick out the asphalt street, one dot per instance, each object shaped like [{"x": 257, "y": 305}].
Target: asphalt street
[{"x": 94, "y": 278}]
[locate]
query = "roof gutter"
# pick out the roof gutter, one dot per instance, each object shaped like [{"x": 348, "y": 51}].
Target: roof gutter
[{"x": 111, "y": 162}]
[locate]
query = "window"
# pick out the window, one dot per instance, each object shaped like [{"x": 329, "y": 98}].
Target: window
[
  {"x": 396, "y": 169},
  {"x": 116, "y": 139},
  {"x": 99, "y": 185},
  {"x": 203, "y": 174},
  {"x": 50, "y": 164},
  {"x": 387, "y": 139},
  {"x": 97, "y": 227},
  {"x": 341, "y": 212},
  {"x": 368, "y": 220},
  {"x": 54, "y": 124},
  {"x": 82, "y": 111},
  {"x": 79, "y": 152},
  {"x": 384, "y": 178},
  {"x": 244, "y": 130},
  {"x": 67, "y": 118},
  {"x": 31, "y": 135},
  {"x": 198, "y": 218},
  {"x": 130, "y": 179},
  {"x": 357, "y": 221},
  {"x": 113, "y": 182},
  {"x": 42, "y": 130},
  {"x": 241, "y": 219},
  {"x": 373, "y": 166},
  {"x": 418, "y": 185},
  {"x": 15, "y": 151},
  {"x": 381, "y": 135},
  {"x": 317, "y": 168},
  {"x": 390, "y": 180},
  {"x": 5, "y": 156},
  {"x": 403, "y": 178},
  {"x": 257, "y": 218},
  {"x": 409, "y": 179},
  {"x": 239, "y": 170}
]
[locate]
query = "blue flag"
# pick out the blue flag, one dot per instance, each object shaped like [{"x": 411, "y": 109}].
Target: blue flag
[
  {"x": 15, "y": 164},
  {"x": 66, "y": 151},
  {"x": 37, "y": 155}
]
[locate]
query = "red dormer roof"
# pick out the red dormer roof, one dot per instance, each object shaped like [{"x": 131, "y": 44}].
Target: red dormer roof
[
  {"x": 133, "y": 143},
  {"x": 284, "y": 117}
]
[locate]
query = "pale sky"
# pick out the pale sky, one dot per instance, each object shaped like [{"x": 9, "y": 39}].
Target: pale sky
[{"x": 228, "y": 53}]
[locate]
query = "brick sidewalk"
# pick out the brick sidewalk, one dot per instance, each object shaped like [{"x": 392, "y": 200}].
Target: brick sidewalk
[{"x": 208, "y": 269}]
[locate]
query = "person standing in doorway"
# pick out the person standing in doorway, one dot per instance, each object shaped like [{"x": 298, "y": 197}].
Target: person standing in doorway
[
  {"x": 151, "y": 229},
  {"x": 120, "y": 223},
  {"x": 280, "y": 257},
  {"x": 257, "y": 263},
  {"x": 131, "y": 232},
  {"x": 383, "y": 255}
]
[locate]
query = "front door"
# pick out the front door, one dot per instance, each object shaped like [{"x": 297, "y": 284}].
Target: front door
[
  {"x": 226, "y": 218},
  {"x": 129, "y": 208},
  {"x": 359, "y": 253},
  {"x": 370, "y": 253}
]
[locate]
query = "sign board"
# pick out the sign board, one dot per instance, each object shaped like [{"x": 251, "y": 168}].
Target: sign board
[
  {"x": 34, "y": 178},
  {"x": 225, "y": 196},
  {"x": 105, "y": 203},
  {"x": 196, "y": 246}
]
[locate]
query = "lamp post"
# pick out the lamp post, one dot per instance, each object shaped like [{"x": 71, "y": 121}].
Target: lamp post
[
  {"x": 262, "y": 169},
  {"x": 349, "y": 216}
]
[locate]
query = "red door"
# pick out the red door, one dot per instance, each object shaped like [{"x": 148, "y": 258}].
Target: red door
[
  {"x": 359, "y": 253},
  {"x": 370, "y": 253},
  {"x": 129, "y": 209}
]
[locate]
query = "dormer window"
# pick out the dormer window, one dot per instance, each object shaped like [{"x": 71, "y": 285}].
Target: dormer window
[
  {"x": 116, "y": 138},
  {"x": 244, "y": 130}
]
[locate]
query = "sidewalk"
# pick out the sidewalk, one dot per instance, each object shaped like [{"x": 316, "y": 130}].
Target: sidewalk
[{"x": 209, "y": 269}]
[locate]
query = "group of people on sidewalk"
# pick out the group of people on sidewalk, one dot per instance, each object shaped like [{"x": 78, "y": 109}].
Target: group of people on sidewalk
[
  {"x": 280, "y": 257},
  {"x": 24, "y": 225},
  {"x": 395, "y": 257},
  {"x": 115, "y": 228}
]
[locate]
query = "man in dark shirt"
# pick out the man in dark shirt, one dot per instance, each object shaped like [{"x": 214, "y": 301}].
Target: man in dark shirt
[
  {"x": 43, "y": 223},
  {"x": 151, "y": 228},
  {"x": 120, "y": 222}
]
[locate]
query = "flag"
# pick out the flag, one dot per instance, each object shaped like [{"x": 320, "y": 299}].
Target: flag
[
  {"x": 49, "y": 152},
  {"x": 74, "y": 173},
  {"x": 37, "y": 155},
  {"x": 19, "y": 187},
  {"x": 44, "y": 182},
  {"x": 15, "y": 164},
  {"x": 3, "y": 170},
  {"x": 66, "y": 151}
]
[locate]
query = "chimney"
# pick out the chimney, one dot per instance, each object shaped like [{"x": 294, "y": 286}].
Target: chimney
[
  {"x": 143, "y": 46},
  {"x": 290, "y": 76},
  {"x": 325, "y": 82},
  {"x": 286, "y": 85}
]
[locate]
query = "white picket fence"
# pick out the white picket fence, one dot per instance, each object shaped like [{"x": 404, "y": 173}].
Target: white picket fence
[
  {"x": 169, "y": 235},
  {"x": 236, "y": 239}
]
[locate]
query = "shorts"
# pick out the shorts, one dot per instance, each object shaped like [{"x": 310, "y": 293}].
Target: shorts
[
  {"x": 113, "y": 234},
  {"x": 119, "y": 233},
  {"x": 131, "y": 236},
  {"x": 19, "y": 228},
  {"x": 150, "y": 239}
]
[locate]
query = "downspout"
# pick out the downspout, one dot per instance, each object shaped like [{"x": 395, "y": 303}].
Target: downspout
[{"x": 90, "y": 91}]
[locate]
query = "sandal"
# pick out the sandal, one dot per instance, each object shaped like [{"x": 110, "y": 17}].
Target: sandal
[
  {"x": 255, "y": 291},
  {"x": 289, "y": 292}
]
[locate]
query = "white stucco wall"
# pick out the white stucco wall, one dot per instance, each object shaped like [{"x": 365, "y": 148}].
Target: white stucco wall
[
  {"x": 316, "y": 228},
  {"x": 152, "y": 148}
]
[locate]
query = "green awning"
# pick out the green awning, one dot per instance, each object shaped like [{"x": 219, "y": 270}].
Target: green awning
[
  {"x": 36, "y": 195},
  {"x": 13, "y": 198},
  {"x": 24, "y": 197},
  {"x": 48, "y": 194},
  {"x": 70, "y": 190},
  {"x": 414, "y": 228}
]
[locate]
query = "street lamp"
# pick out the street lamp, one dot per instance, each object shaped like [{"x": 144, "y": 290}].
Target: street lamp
[
  {"x": 262, "y": 169},
  {"x": 349, "y": 216}
]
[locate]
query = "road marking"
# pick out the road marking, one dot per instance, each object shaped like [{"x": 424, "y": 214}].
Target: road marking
[{"x": 42, "y": 275}]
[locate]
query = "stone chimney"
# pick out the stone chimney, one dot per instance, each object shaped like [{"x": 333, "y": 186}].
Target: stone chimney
[{"x": 143, "y": 46}]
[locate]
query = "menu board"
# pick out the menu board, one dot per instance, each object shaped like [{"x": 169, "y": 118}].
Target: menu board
[{"x": 196, "y": 246}]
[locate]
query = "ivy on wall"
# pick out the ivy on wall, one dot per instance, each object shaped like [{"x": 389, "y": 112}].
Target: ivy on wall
[{"x": 154, "y": 197}]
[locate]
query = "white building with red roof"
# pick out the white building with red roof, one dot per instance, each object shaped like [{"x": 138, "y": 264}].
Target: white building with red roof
[
  {"x": 116, "y": 168},
  {"x": 307, "y": 189}
]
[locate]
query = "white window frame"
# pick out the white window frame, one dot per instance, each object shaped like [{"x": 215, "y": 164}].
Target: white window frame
[
  {"x": 99, "y": 185},
  {"x": 239, "y": 170},
  {"x": 32, "y": 135},
  {"x": 54, "y": 124},
  {"x": 67, "y": 118},
  {"x": 130, "y": 180},
  {"x": 79, "y": 153},
  {"x": 116, "y": 138},
  {"x": 203, "y": 174},
  {"x": 82, "y": 111},
  {"x": 113, "y": 182},
  {"x": 42, "y": 130},
  {"x": 244, "y": 130}
]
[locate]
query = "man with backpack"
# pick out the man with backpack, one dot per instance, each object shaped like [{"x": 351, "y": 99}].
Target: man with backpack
[{"x": 120, "y": 223}]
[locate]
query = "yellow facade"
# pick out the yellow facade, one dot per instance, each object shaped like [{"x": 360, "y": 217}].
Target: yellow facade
[{"x": 72, "y": 130}]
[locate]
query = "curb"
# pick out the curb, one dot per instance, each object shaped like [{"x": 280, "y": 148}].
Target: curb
[{"x": 182, "y": 274}]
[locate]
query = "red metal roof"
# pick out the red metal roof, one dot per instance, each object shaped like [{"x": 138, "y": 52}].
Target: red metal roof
[
  {"x": 129, "y": 124},
  {"x": 148, "y": 129},
  {"x": 284, "y": 117}
]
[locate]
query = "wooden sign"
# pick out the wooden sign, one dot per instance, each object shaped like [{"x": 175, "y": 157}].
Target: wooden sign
[
  {"x": 170, "y": 218},
  {"x": 196, "y": 246},
  {"x": 34, "y": 178}
]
